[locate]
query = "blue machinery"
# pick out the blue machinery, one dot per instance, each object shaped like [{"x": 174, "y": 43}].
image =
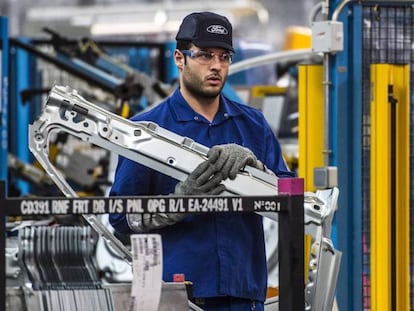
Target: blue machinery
[
  {"x": 3, "y": 118},
  {"x": 29, "y": 80},
  {"x": 4, "y": 87},
  {"x": 375, "y": 195}
]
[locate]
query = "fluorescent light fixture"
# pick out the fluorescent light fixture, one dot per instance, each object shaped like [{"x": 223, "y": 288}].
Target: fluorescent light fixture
[
  {"x": 101, "y": 29},
  {"x": 160, "y": 17},
  {"x": 140, "y": 18}
]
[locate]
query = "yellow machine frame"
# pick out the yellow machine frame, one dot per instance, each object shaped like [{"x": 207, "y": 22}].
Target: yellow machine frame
[
  {"x": 311, "y": 127},
  {"x": 383, "y": 76}
]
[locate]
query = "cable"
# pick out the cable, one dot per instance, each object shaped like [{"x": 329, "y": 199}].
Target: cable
[
  {"x": 294, "y": 55},
  {"x": 315, "y": 10},
  {"x": 339, "y": 8}
]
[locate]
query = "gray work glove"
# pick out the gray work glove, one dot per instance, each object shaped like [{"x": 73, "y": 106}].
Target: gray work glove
[
  {"x": 229, "y": 159},
  {"x": 203, "y": 180}
]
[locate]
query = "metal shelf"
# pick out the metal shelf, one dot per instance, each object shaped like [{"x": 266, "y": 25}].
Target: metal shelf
[{"x": 289, "y": 205}]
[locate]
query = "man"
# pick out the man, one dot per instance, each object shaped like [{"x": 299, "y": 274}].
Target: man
[{"x": 223, "y": 255}]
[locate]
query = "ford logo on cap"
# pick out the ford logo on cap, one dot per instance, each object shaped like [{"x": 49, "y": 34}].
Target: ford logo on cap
[{"x": 217, "y": 29}]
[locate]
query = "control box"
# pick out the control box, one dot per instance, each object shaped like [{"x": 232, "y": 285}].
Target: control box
[{"x": 327, "y": 37}]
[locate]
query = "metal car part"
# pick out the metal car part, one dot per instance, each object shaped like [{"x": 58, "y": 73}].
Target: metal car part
[
  {"x": 12, "y": 267},
  {"x": 324, "y": 260},
  {"x": 144, "y": 142}
]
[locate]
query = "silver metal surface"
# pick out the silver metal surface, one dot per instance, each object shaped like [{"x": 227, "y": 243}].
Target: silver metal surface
[
  {"x": 13, "y": 268},
  {"x": 324, "y": 262},
  {"x": 143, "y": 142},
  {"x": 271, "y": 58},
  {"x": 173, "y": 297}
]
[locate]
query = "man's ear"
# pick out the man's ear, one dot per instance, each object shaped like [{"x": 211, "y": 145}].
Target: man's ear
[{"x": 179, "y": 59}]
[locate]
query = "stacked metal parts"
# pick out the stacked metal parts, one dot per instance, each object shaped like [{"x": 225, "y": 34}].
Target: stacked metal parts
[{"x": 60, "y": 269}]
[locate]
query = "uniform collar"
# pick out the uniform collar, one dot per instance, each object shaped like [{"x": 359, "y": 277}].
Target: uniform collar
[{"x": 184, "y": 112}]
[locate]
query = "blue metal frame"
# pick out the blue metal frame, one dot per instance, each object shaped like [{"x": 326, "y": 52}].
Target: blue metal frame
[
  {"x": 171, "y": 70},
  {"x": 346, "y": 97},
  {"x": 346, "y": 129},
  {"x": 21, "y": 114},
  {"x": 4, "y": 50}
]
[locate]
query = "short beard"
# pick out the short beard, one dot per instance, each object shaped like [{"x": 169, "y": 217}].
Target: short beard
[
  {"x": 195, "y": 87},
  {"x": 198, "y": 92}
]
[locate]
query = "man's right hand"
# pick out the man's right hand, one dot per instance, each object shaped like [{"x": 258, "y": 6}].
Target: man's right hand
[{"x": 203, "y": 180}]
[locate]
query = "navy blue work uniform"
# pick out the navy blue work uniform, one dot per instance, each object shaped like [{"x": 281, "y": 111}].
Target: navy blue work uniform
[{"x": 221, "y": 254}]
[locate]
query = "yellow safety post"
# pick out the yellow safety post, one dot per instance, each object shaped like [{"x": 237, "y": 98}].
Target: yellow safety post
[
  {"x": 311, "y": 127},
  {"x": 390, "y": 83},
  {"x": 297, "y": 37},
  {"x": 259, "y": 93},
  {"x": 125, "y": 110}
]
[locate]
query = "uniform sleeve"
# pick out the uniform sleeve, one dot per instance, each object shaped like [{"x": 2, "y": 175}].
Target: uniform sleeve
[
  {"x": 129, "y": 180},
  {"x": 134, "y": 179}
]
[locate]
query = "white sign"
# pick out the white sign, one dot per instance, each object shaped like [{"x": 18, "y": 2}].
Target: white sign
[{"x": 147, "y": 271}]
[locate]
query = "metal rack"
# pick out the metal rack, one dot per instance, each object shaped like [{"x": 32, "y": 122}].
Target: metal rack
[{"x": 289, "y": 205}]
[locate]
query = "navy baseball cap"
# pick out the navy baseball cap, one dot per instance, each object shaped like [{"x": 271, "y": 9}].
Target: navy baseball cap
[{"x": 206, "y": 30}]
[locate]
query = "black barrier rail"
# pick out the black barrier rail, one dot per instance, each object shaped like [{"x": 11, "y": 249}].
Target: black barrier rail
[{"x": 288, "y": 205}]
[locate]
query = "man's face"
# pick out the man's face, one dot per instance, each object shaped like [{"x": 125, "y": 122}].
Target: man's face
[{"x": 205, "y": 71}]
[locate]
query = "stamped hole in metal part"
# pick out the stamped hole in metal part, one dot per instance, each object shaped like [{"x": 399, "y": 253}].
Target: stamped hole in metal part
[{"x": 171, "y": 161}]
